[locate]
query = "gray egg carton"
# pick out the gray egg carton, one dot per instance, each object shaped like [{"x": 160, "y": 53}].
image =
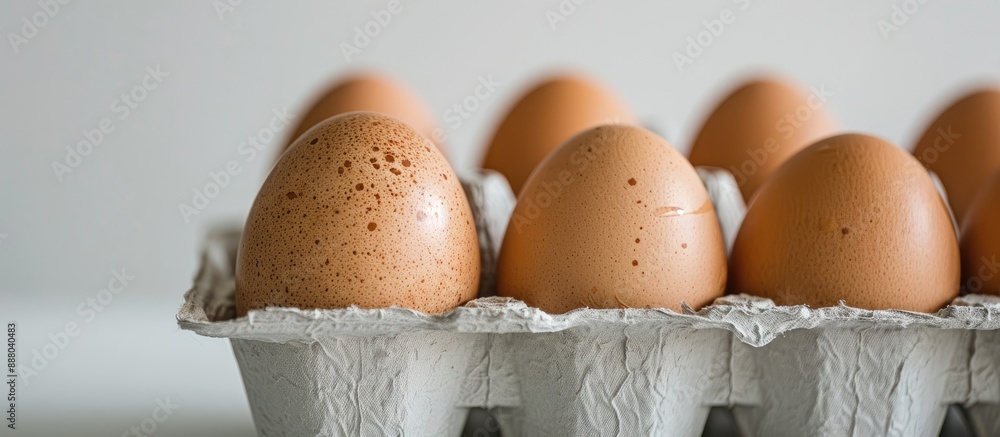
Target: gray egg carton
[{"x": 782, "y": 370}]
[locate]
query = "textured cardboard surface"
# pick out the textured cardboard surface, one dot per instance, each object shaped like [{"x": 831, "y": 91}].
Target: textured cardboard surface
[{"x": 784, "y": 370}]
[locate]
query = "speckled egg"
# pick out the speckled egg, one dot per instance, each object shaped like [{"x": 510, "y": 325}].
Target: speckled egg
[
  {"x": 962, "y": 146},
  {"x": 980, "y": 242},
  {"x": 545, "y": 117},
  {"x": 614, "y": 218},
  {"x": 361, "y": 210},
  {"x": 851, "y": 218},
  {"x": 758, "y": 126},
  {"x": 368, "y": 92}
]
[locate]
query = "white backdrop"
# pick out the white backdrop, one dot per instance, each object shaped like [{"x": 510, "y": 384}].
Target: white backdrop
[{"x": 176, "y": 86}]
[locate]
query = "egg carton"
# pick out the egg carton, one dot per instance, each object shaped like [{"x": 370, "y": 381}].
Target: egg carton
[{"x": 782, "y": 370}]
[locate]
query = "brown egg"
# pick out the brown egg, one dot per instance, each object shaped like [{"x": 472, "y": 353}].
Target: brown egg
[
  {"x": 963, "y": 147},
  {"x": 614, "y": 218},
  {"x": 545, "y": 117},
  {"x": 758, "y": 127},
  {"x": 980, "y": 243},
  {"x": 849, "y": 218},
  {"x": 368, "y": 92},
  {"x": 361, "y": 210}
]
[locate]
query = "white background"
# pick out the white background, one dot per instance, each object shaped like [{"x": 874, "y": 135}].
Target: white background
[{"x": 60, "y": 240}]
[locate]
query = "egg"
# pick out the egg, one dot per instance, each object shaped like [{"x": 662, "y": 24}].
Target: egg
[
  {"x": 962, "y": 146},
  {"x": 851, "y": 218},
  {"x": 369, "y": 92},
  {"x": 361, "y": 210},
  {"x": 545, "y": 117},
  {"x": 758, "y": 127},
  {"x": 614, "y": 218},
  {"x": 980, "y": 242}
]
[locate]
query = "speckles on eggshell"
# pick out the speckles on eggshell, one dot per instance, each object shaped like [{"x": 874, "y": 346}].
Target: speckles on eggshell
[
  {"x": 632, "y": 257},
  {"x": 787, "y": 248},
  {"x": 377, "y": 253}
]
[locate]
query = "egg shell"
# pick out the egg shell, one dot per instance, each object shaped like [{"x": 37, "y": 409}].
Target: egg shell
[
  {"x": 544, "y": 118},
  {"x": 850, "y": 218},
  {"x": 368, "y": 92},
  {"x": 756, "y": 128},
  {"x": 980, "y": 242},
  {"x": 615, "y": 218},
  {"x": 962, "y": 146},
  {"x": 362, "y": 211}
]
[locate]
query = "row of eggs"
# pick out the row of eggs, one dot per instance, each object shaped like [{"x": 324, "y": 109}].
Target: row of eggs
[{"x": 362, "y": 208}]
